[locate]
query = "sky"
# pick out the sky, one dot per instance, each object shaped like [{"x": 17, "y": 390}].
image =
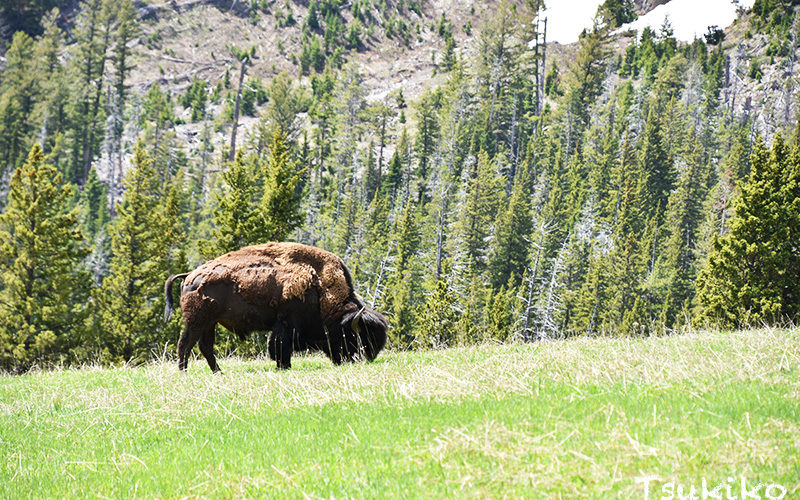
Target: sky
[{"x": 689, "y": 18}]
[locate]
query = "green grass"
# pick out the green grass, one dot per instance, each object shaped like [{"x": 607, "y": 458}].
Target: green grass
[{"x": 582, "y": 418}]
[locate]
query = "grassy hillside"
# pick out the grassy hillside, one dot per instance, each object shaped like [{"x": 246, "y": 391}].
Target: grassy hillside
[{"x": 589, "y": 417}]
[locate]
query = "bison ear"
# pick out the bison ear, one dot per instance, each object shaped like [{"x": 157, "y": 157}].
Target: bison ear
[{"x": 354, "y": 322}]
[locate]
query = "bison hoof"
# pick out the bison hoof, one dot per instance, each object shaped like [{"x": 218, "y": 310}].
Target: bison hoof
[{"x": 284, "y": 366}]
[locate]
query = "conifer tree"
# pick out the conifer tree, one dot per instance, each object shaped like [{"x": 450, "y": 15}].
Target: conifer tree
[
  {"x": 509, "y": 255},
  {"x": 655, "y": 165},
  {"x": 235, "y": 218},
  {"x": 244, "y": 56},
  {"x": 751, "y": 273},
  {"x": 312, "y": 20},
  {"x": 588, "y": 314},
  {"x": 94, "y": 200},
  {"x": 174, "y": 238},
  {"x": 54, "y": 90},
  {"x": 436, "y": 322},
  {"x": 616, "y": 12},
  {"x": 378, "y": 253},
  {"x": 131, "y": 298},
  {"x": 427, "y": 136},
  {"x": 627, "y": 258},
  {"x": 393, "y": 180},
  {"x": 583, "y": 85},
  {"x": 500, "y": 312},
  {"x": 478, "y": 211},
  {"x": 285, "y": 102},
  {"x": 401, "y": 293},
  {"x": 345, "y": 231},
  {"x": 372, "y": 175},
  {"x": 684, "y": 215},
  {"x": 127, "y": 27},
  {"x": 93, "y": 33},
  {"x": 280, "y": 211},
  {"x": 19, "y": 89},
  {"x": 43, "y": 294}
]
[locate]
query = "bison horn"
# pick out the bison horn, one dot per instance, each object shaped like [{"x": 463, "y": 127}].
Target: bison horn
[{"x": 354, "y": 323}]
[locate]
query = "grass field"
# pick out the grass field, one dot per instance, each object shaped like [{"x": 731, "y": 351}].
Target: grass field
[{"x": 582, "y": 418}]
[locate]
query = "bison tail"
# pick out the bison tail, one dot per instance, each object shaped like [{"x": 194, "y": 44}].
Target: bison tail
[{"x": 168, "y": 295}]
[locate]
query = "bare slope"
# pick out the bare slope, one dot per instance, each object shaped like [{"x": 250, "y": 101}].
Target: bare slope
[{"x": 192, "y": 37}]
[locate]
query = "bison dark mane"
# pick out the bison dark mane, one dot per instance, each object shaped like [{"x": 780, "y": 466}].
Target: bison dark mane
[{"x": 302, "y": 294}]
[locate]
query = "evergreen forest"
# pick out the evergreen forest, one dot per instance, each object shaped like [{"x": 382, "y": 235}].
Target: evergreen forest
[{"x": 630, "y": 184}]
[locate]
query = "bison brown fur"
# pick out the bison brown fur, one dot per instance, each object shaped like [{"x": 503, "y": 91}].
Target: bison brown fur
[{"x": 302, "y": 294}]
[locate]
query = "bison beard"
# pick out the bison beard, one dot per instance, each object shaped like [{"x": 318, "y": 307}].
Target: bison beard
[{"x": 303, "y": 294}]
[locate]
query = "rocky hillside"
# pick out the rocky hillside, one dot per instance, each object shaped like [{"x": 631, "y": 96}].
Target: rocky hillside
[
  {"x": 398, "y": 52},
  {"x": 187, "y": 38},
  {"x": 645, "y": 6},
  {"x": 397, "y": 47}
]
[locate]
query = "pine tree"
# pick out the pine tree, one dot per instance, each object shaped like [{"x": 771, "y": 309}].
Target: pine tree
[
  {"x": 751, "y": 273},
  {"x": 43, "y": 296},
  {"x": 677, "y": 264},
  {"x": 244, "y": 56},
  {"x": 427, "y": 137},
  {"x": 655, "y": 165},
  {"x": 235, "y": 219},
  {"x": 616, "y": 12},
  {"x": 312, "y": 20},
  {"x": 50, "y": 108},
  {"x": 280, "y": 211},
  {"x": 19, "y": 90},
  {"x": 627, "y": 259},
  {"x": 131, "y": 298},
  {"x": 478, "y": 211},
  {"x": 437, "y": 319},
  {"x": 401, "y": 295},
  {"x": 509, "y": 255},
  {"x": 284, "y": 104},
  {"x": 372, "y": 176},
  {"x": 127, "y": 28},
  {"x": 174, "y": 238},
  {"x": 378, "y": 253},
  {"x": 347, "y": 225},
  {"x": 593, "y": 298},
  {"x": 393, "y": 180},
  {"x": 93, "y": 33},
  {"x": 94, "y": 200},
  {"x": 583, "y": 85},
  {"x": 500, "y": 312}
]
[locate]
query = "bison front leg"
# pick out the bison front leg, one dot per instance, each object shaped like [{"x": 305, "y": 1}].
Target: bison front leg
[{"x": 280, "y": 346}]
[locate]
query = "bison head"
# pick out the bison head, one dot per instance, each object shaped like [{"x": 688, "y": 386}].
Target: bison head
[{"x": 363, "y": 333}]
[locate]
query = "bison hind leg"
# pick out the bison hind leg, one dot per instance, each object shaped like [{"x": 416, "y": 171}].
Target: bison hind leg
[
  {"x": 188, "y": 340},
  {"x": 185, "y": 344},
  {"x": 207, "y": 348}
]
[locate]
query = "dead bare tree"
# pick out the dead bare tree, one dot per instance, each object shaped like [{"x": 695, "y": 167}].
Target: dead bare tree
[{"x": 244, "y": 57}]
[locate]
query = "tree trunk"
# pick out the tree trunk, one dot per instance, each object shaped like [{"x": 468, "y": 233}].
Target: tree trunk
[{"x": 232, "y": 153}]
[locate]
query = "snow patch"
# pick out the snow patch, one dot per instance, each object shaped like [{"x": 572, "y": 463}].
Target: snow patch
[
  {"x": 567, "y": 19},
  {"x": 690, "y": 19}
]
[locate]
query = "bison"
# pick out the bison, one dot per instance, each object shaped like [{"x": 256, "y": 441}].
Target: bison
[{"x": 303, "y": 294}]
